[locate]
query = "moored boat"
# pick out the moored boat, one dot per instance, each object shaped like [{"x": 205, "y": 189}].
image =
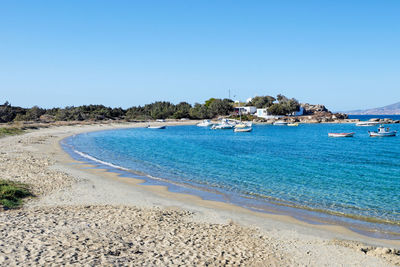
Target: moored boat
[
  {"x": 205, "y": 123},
  {"x": 340, "y": 134},
  {"x": 382, "y": 132},
  {"x": 243, "y": 130},
  {"x": 222, "y": 126},
  {"x": 156, "y": 127},
  {"x": 293, "y": 124},
  {"x": 240, "y": 125},
  {"x": 280, "y": 123},
  {"x": 244, "y": 124},
  {"x": 367, "y": 123},
  {"x": 225, "y": 124}
]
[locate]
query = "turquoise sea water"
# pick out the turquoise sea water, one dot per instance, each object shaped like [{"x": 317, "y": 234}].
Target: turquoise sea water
[{"x": 273, "y": 168}]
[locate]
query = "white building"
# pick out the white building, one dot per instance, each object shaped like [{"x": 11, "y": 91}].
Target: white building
[
  {"x": 263, "y": 113},
  {"x": 246, "y": 110}
]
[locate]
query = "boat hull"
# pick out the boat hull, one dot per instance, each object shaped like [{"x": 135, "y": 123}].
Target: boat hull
[
  {"x": 205, "y": 123},
  {"x": 156, "y": 127},
  {"x": 340, "y": 134},
  {"x": 389, "y": 134},
  {"x": 222, "y": 127},
  {"x": 367, "y": 124},
  {"x": 242, "y": 130}
]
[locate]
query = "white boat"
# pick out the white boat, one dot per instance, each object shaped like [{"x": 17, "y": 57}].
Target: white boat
[
  {"x": 222, "y": 126},
  {"x": 240, "y": 124},
  {"x": 243, "y": 130},
  {"x": 225, "y": 124},
  {"x": 340, "y": 134},
  {"x": 280, "y": 123},
  {"x": 293, "y": 124},
  {"x": 367, "y": 123},
  {"x": 156, "y": 127},
  {"x": 229, "y": 121},
  {"x": 205, "y": 123},
  {"x": 244, "y": 124},
  {"x": 382, "y": 132}
]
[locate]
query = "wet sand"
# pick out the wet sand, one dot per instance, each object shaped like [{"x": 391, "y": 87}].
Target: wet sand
[{"x": 90, "y": 216}]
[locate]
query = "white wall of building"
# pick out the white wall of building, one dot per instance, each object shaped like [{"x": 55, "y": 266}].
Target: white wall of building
[
  {"x": 247, "y": 110},
  {"x": 263, "y": 113}
]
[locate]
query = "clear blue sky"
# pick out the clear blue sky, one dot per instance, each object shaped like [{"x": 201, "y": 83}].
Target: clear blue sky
[{"x": 344, "y": 54}]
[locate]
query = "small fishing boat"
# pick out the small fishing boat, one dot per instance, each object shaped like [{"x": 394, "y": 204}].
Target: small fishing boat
[
  {"x": 156, "y": 127},
  {"x": 280, "y": 123},
  {"x": 225, "y": 124},
  {"x": 205, "y": 123},
  {"x": 244, "y": 124},
  {"x": 340, "y": 134},
  {"x": 222, "y": 127},
  {"x": 293, "y": 124},
  {"x": 243, "y": 130},
  {"x": 367, "y": 123},
  {"x": 382, "y": 132}
]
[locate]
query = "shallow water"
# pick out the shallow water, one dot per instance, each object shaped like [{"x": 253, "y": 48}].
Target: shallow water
[{"x": 290, "y": 166}]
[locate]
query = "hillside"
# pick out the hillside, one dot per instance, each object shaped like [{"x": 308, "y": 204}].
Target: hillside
[{"x": 393, "y": 109}]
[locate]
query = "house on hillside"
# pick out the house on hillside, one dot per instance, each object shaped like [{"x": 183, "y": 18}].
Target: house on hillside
[
  {"x": 263, "y": 113},
  {"x": 245, "y": 110}
]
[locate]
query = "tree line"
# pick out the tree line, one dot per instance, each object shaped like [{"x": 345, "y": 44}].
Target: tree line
[
  {"x": 281, "y": 105},
  {"x": 211, "y": 108}
]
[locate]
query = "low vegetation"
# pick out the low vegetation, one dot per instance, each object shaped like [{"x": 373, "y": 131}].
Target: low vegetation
[
  {"x": 211, "y": 108},
  {"x": 12, "y": 194},
  {"x": 281, "y": 105},
  {"x": 10, "y": 131}
]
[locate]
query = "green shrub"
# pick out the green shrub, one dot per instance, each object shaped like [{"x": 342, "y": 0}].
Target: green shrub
[
  {"x": 12, "y": 193},
  {"x": 10, "y": 131}
]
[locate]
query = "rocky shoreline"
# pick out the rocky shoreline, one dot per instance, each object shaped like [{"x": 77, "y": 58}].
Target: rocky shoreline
[
  {"x": 85, "y": 219},
  {"x": 323, "y": 119}
]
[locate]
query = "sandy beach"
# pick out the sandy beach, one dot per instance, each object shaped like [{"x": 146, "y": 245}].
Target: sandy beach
[{"x": 87, "y": 216}]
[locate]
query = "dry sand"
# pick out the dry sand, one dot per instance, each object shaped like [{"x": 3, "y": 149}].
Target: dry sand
[{"x": 90, "y": 217}]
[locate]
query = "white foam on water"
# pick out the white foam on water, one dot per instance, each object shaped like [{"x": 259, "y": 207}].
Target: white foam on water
[{"x": 99, "y": 161}]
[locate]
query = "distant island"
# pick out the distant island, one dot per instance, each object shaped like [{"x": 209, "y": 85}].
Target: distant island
[{"x": 393, "y": 109}]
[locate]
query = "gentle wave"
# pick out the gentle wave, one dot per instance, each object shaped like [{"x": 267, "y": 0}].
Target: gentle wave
[
  {"x": 99, "y": 161},
  {"x": 154, "y": 178}
]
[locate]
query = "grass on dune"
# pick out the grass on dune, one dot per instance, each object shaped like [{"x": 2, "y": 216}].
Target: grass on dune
[
  {"x": 10, "y": 131},
  {"x": 12, "y": 193}
]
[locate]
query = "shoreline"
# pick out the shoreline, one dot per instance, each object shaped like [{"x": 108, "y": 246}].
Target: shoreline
[
  {"x": 164, "y": 189},
  {"x": 299, "y": 213},
  {"x": 301, "y": 119},
  {"x": 90, "y": 186}
]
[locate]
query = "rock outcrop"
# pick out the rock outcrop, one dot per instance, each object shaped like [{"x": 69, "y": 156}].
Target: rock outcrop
[{"x": 313, "y": 109}]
